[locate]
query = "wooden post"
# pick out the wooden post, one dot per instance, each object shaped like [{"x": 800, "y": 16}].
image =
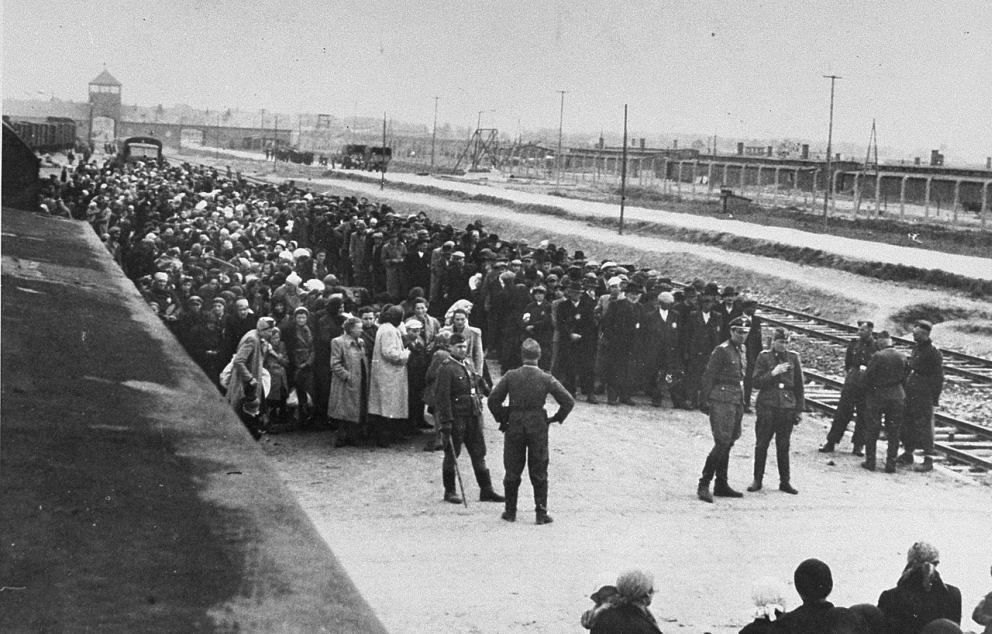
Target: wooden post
[
  {"x": 775, "y": 191},
  {"x": 812, "y": 191},
  {"x": 678, "y": 183},
  {"x": 623, "y": 174},
  {"x": 692, "y": 189},
  {"x": 926, "y": 204},
  {"x": 902, "y": 198},
  {"x": 878, "y": 194},
  {"x": 743, "y": 178},
  {"x": 857, "y": 194},
  {"x": 985, "y": 203},
  {"x": 757, "y": 197},
  {"x": 709, "y": 177},
  {"x": 957, "y": 202},
  {"x": 833, "y": 190}
]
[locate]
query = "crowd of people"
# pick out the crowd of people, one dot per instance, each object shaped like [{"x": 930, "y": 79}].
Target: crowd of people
[
  {"x": 322, "y": 310},
  {"x": 921, "y": 602}
]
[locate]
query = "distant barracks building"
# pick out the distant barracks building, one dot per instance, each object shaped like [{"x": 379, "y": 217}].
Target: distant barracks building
[{"x": 105, "y": 118}]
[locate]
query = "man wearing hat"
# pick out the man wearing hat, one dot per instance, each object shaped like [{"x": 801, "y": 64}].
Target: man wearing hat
[
  {"x": 525, "y": 424},
  {"x": 664, "y": 363},
  {"x": 621, "y": 329},
  {"x": 722, "y": 388},
  {"x": 538, "y": 324},
  {"x": 576, "y": 330},
  {"x": 923, "y": 387},
  {"x": 883, "y": 379},
  {"x": 852, "y": 394},
  {"x": 702, "y": 332},
  {"x": 778, "y": 375}
]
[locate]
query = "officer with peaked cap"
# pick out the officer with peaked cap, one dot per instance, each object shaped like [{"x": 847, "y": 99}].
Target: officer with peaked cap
[{"x": 525, "y": 424}]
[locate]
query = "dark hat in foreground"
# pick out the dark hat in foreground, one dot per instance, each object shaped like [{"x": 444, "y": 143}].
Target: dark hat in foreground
[
  {"x": 456, "y": 339},
  {"x": 780, "y": 335},
  {"x": 633, "y": 287}
]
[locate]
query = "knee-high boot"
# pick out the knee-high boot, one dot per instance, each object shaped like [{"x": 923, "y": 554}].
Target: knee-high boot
[{"x": 486, "y": 492}]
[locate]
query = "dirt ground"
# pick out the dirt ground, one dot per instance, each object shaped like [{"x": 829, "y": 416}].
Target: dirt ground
[{"x": 623, "y": 496}]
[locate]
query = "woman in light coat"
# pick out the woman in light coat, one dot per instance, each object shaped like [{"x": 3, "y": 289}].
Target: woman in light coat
[
  {"x": 348, "y": 404},
  {"x": 388, "y": 381}
]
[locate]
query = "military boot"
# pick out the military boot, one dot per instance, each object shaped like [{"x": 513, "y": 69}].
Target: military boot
[
  {"x": 510, "y": 510},
  {"x": 450, "y": 494},
  {"x": 486, "y": 492},
  {"x": 541, "y": 503},
  {"x": 926, "y": 465},
  {"x": 703, "y": 492}
]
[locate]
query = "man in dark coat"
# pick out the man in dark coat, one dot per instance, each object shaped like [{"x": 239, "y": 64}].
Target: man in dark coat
[
  {"x": 525, "y": 424},
  {"x": 923, "y": 387},
  {"x": 702, "y": 336},
  {"x": 537, "y": 323},
  {"x": 920, "y": 595},
  {"x": 722, "y": 387},
  {"x": 417, "y": 267},
  {"x": 816, "y": 615},
  {"x": 781, "y": 399},
  {"x": 576, "y": 327},
  {"x": 885, "y": 398},
  {"x": 458, "y": 410},
  {"x": 621, "y": 329},
  {"x": 852, "y": 395},
  {"x": 753, "y": 345},
  {"x": 664, "y": 363}
]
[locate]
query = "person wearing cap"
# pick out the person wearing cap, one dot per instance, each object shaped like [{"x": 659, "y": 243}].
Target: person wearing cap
[
  {"x": 417, "y": 266},
  {"x": 614, "y": 293},
  {"x": 921, "y": 596},
  {"x": 164, "y": 295},
  {"x": 455, "y": 284},
  {"x": 753, "y": 345},
  {"x": 702, "y": 333},
  {"x": 246, "y": 382},
  {"x": 458, "y": 392},
  {"x": 239, "y": 322},
  {"x": 852, "y": 395},
  {"x": 575, "y": 327},
  {"x": 525, "y": 425},
  {"x": 722, "y": 388},
  {"x": 664, "y": 363},
  {"x": 537, "y": 323},
  {"x": 923, "y": 387},
  {"x": 814, "y": 583},
  {"x": 778, "y": 375},
  {"x": 622, "y": 330},
  {"x": 885, "y": 398},
  {"x": 393, "y": 256},
  {"x": 440, "y": 259}
]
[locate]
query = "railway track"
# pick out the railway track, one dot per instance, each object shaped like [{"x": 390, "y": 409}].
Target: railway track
[
  {"x": 965, "y": 447},
  {"x": 967, "y": 368}
]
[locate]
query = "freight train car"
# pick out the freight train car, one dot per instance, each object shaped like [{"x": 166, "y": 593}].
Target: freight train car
[
  {"x": 52, "y": 135},
  {"x": 20, "y": 171}
]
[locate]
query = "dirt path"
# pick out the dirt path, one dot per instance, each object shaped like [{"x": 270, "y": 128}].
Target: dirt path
[{"x": 623, "y": 495}]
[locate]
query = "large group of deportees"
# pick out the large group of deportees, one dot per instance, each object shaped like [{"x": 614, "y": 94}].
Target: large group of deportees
[{"x": 314, "y": 311}]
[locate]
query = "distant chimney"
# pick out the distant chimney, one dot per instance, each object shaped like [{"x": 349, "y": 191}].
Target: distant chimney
[
  {"x": 936, "y": 158},
  {"x": 917, "y": 161},
  {"x": 988, "y": 163},
  {"x": 675, "y": 144},
  {"x": 643, "y": 143},
  {"x": 740, "y": 149},
  {"x": 837, "y": 157},
  {"x": 805, "y": 151},
  {"x": 768, "y": 150},
  {"x": 602, "y": 143}
]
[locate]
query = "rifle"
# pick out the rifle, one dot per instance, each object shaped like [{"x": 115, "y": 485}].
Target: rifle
[{"x": 458, "y": 473}]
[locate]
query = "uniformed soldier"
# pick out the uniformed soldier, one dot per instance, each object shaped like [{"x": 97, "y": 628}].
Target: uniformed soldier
[
  {"x": 525, "y": 424},
  {"x": 923, "y": 387},
  {"x": 852, "y": 395},
  {"x": 458, "y": 409},
  {"x": 722, "y": 387},
  {"x": 883, "y": 380},
  {"x": 778, "y": 375}
]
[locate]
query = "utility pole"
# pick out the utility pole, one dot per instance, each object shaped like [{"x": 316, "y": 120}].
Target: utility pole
[
  {"x": 382, "y": 165},
  {"x": 830, "y": 137},
  {"x": 434, "y": 134},
  {"x": 561, "y": 124},
  {"x": 623, "y": 169}
]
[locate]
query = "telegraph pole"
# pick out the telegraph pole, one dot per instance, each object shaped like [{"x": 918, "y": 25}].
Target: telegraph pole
[
  {"x": 830, "y": 137},
  {"x": 623, "y": 169},
  {"x": 561, "y": 124},
  {"x": 382, "y": 166},
  {"x": 434, "y": 134}
]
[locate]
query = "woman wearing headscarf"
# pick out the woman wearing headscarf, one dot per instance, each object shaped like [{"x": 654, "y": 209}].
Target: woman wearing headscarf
[
  {"x": 416, "y": 371},
  {"x": 920, "y": 595},
  {"x": 388, "y": 382},
  {"x": 348, "y": 403},
  {"x": 245, "y": 389},
  {"x": 630, "y": 613},
  {"x": 299, "y": 340}
]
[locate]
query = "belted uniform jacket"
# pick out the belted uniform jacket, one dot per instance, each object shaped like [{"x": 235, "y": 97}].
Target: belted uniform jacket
[{"x": 779, "y": 391}]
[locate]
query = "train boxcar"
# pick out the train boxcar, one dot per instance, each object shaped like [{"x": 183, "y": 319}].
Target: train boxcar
[
  {"x": 20, "y": 171},
  {"x": 54, "y": 134}
]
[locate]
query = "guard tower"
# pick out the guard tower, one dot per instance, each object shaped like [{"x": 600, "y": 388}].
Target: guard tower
[{"x": 105, "y": 107}]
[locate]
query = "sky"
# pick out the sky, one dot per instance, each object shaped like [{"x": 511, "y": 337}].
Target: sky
[{"x": 737, "y": 69}]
